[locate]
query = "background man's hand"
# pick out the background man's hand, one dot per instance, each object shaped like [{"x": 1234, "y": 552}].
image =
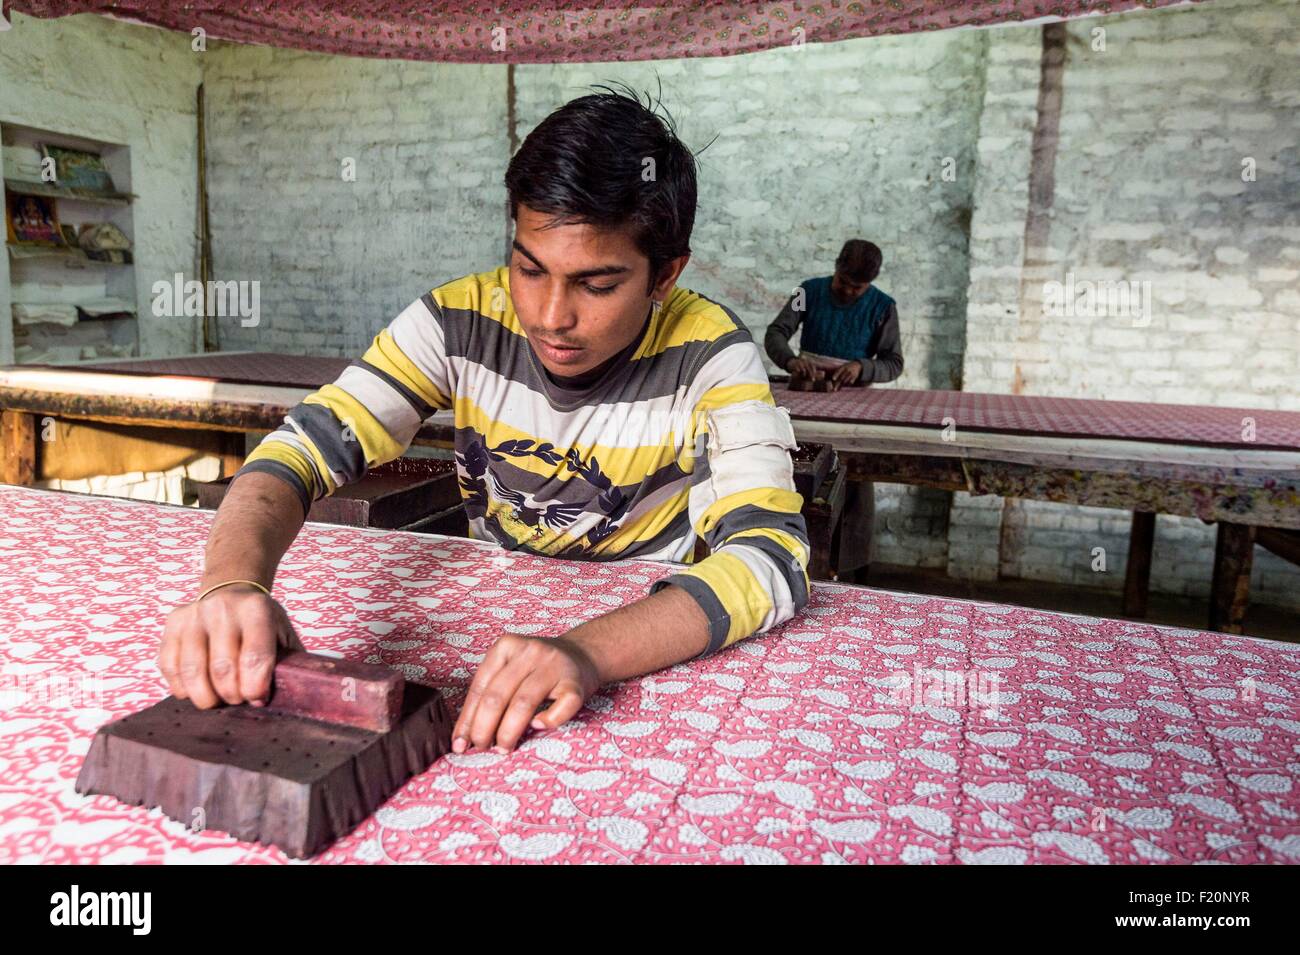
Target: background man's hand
[
  {"x": 515, "y": 678},
  {"x": 803, "y": 368},
  {"x": 223, "y": 647},
  {"x": 846, "y": 374}
]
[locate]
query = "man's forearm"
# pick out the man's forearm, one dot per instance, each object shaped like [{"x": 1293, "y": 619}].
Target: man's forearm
[
  {"x": 778, "y": 348},
  {"x": 256, "y": 523},
  {"x": 887, "y": 364},
  {"x": 655, "y": 632},
  {"x": 883, "y": 368},
  {"x": 777, "y": 339}
]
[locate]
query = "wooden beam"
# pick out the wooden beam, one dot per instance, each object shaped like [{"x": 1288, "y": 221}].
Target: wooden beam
[
  {"x": 1210, "y": 497},
  {"x": 17, "y": 448},
  {"x": 1209, "y": 501},
  {"x": 1011, "y": 534},
  {"x": 1145, "y": 458},
  {"x": 188, "y": 413},
  {"x": 1230, "y": 590},
  {"x": 1281, "y": 541},
  {"x": 1037, "y": 253},
  {"x": 946, "y": 474},
  {"x": 1137, "y": 572}
]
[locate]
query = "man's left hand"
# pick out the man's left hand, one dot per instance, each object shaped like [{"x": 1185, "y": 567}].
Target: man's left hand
[
  {"x": 516, "y": 677},
  {"x": 846, "y": 374}
]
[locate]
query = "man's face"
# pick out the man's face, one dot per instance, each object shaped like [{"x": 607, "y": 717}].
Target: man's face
[
  {"x": 847, "y": 290},
  {"x": 580, "y": 286}
]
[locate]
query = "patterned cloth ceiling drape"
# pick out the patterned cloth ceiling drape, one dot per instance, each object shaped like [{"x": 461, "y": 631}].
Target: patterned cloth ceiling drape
[{"x": 535, "y": 31}]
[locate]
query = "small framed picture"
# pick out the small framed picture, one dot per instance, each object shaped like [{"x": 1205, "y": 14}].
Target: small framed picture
[
  {"x": 32, "y": 220},
  {"x": 78, "y": 169}
]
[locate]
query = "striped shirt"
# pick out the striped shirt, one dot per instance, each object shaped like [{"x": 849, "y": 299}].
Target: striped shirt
[{"x": 680, "y": 437}]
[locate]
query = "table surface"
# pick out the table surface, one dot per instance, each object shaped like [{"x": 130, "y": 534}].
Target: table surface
[
  {"x": 241, "y": 368},
  {"x": 1047, "y": 417},
  {"x": 1110, "y": 741},
  {"x": 1034, "y": 415}
]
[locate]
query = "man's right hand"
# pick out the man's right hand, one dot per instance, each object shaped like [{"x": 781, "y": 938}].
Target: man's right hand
[
  {"x": 802, "y": 368},
  {"x": 224, "y": 647}
]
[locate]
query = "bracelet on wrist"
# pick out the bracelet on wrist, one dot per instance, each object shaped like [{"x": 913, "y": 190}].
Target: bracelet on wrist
[{"x": 231, "y": 583}]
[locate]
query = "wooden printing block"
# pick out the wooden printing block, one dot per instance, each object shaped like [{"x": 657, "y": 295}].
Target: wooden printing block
[
  {"x": 299, "y": 773},
  {"x": 800, "y": 383}
]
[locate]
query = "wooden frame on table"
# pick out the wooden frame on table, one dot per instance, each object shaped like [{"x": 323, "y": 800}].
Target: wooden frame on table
[
  {"x": 1251, "y": 495},
  {"x": 147, "y": 402}
]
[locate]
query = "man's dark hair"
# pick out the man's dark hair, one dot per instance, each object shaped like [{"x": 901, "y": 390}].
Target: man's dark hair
[
  {"x": 609, "y": 160},
  {"x": 859, "y": 260}
]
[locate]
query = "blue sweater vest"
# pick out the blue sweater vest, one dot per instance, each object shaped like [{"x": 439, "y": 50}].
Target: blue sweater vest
[{"x": 841, "y": 332}]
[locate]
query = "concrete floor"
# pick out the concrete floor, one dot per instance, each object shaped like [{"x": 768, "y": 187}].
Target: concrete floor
[{"x": 1273, "y": 623}]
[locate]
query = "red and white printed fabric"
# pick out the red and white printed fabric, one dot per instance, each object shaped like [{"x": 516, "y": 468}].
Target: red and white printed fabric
[
  {"x": 1108, "y": 741},
  {"x": 1041, "y": 416}
]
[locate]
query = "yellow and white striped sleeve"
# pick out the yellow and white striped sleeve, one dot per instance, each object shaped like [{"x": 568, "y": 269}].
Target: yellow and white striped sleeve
[
  {"x": 369, "y": 415},
  {"x": 743, "y": 502}
]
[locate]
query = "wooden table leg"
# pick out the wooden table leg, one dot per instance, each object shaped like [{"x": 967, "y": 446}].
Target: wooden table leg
[
  {"x": 822, "y": 517},
  {"x": 17, "y": 448},
  {"x": 1137, "y": 572},
  {"x": 1230, "y": 590},
  {"x": 232, "y": 453}
]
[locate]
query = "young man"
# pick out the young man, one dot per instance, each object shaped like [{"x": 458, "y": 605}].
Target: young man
[
  {"x": 601, "y": 413},
  {"x": 850, "y": 333}
]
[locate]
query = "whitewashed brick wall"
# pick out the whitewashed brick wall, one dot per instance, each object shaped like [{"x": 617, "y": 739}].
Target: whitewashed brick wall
[
  {"x": 1153, "y": 134},
  {"x": 337, "y": 259}
]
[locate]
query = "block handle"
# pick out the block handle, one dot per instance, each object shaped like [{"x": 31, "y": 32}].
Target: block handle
[{"x": 319, "y": 687}]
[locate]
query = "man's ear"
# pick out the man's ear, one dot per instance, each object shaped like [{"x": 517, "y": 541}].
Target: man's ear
[{"x": 668, "y": 276}]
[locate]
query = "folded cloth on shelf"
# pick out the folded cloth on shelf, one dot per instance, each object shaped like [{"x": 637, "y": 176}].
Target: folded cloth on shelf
[
  {"x": 56, "y": 313},
  {"x": 102, "y": 237},
  {"x": 22, "y": 163}
]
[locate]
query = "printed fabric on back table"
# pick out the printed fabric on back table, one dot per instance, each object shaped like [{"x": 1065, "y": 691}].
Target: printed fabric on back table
[{"x": 1041, "y": 416}]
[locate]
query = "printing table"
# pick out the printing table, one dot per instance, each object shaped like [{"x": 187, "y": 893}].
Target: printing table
[
  {"x": 1239, "y": 468},
  {"x": 1106, "y": 741}
]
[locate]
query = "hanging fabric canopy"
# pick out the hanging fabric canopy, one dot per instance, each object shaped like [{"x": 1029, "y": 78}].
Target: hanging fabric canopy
[{"x": 533, "y": 31}]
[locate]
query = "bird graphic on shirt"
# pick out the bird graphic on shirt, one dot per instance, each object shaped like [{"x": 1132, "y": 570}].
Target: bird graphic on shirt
[{"x": 556, "y": 514}]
